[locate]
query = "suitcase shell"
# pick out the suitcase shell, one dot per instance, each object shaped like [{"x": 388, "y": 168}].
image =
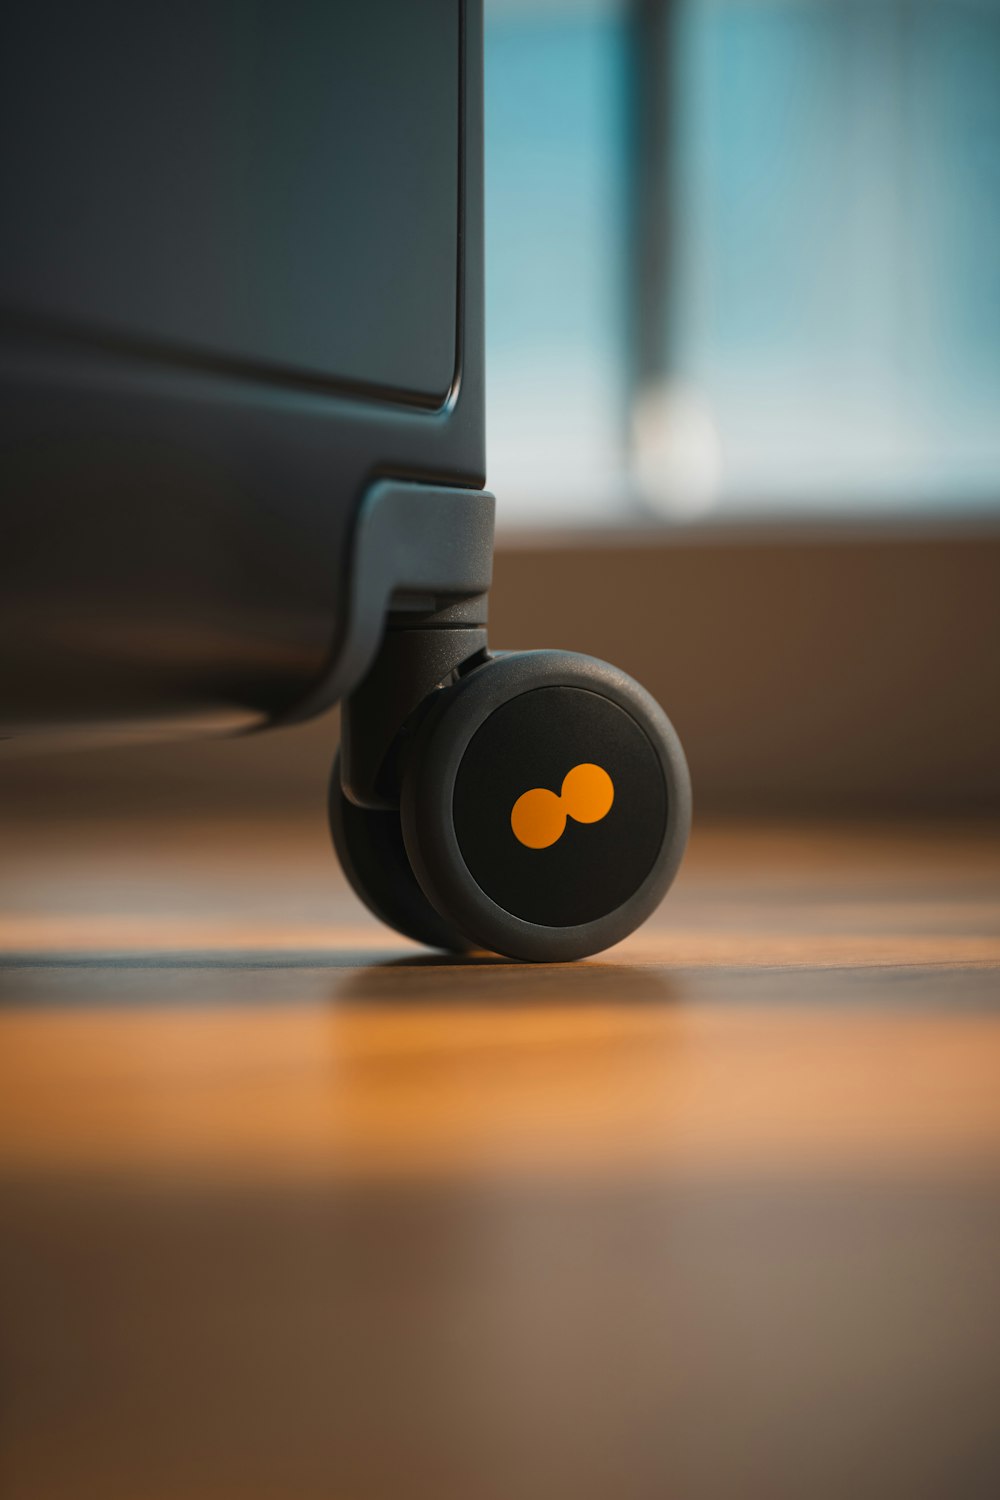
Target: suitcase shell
[{"x": 241, "y": 350}]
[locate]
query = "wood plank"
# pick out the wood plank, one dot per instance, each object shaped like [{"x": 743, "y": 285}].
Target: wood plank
[
  {"x": 290, "y": 1210},
  {"x": 809, "y": 997}
]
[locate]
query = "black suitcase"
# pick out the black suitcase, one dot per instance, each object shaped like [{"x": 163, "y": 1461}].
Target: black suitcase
[{"x": 241, "y": 346}]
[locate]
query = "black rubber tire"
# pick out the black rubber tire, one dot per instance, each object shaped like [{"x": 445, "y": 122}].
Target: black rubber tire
[
  {"x": 370, "y": 848},
  {"x": 433, "y": 798}
]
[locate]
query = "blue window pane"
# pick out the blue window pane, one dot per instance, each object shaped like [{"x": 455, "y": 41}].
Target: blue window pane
[
  {"x": 836, "y": 303},
  {"x": 554, "y": 311}
]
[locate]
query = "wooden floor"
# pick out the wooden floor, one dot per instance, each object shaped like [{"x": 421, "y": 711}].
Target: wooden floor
[{"x": 290, "y": 1208}]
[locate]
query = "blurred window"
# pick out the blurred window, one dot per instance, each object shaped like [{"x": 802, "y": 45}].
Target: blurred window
[
  {"x": 743, "y": 256},
  {"x": 555, "y": 199}
]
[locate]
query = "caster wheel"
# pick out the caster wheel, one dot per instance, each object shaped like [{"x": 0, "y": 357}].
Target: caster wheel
[
  {"x": 370, "y": 848},
  {"x": 545, "y": 805}
]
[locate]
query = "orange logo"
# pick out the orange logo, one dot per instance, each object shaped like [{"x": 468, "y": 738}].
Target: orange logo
[{"x": 538, "y": 817}]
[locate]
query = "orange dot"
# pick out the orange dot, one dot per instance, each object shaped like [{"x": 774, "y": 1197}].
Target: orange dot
[
  {"x": 537, "y": 818},
  {"x": 587, "y": 793}
]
